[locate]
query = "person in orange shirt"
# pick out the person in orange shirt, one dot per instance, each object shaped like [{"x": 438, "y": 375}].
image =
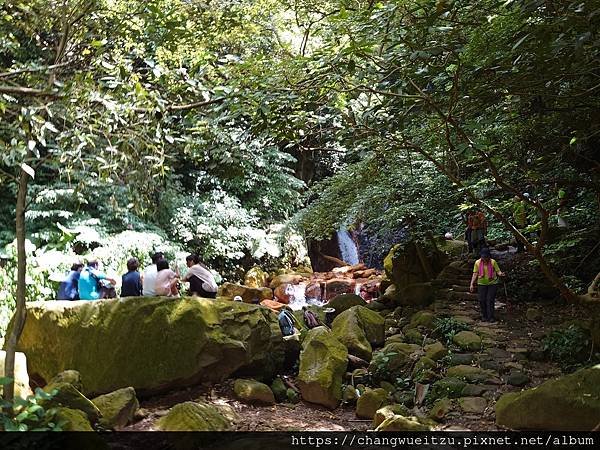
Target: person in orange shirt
[{"x": 478, "y": 225}]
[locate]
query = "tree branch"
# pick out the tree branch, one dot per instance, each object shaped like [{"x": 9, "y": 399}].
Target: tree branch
[
  {"x": 20, "y": 90},
  {"x": 185, "y": 107},
  {"x": 34, "y": 69}
]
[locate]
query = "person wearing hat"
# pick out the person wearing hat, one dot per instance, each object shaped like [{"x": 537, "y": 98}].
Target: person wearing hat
[{"x": 486, "y": 272}]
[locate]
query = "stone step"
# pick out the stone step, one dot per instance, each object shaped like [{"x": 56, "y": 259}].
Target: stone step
[
  {"x": 462, "y": 296},
  {"x": 461, "y": 288}
]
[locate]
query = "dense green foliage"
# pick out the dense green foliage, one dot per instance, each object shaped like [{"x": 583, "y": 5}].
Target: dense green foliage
[
  {"x": 571, "y": 347},
  {"x": 200, "y": 124},
  {"x": 28, "y": 414}
]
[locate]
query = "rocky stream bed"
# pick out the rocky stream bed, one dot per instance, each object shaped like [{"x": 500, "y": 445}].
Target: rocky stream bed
[{"x": 417, "y": 358}]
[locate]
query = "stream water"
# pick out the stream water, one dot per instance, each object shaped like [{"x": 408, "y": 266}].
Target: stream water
[{"x": 298, "y": 298}]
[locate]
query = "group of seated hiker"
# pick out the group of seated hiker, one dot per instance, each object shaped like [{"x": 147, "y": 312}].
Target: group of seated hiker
[{"x": 89, "y": 283}]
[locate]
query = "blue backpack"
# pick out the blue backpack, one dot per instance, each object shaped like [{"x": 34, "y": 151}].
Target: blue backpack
[{"x": 286, "y": 323}]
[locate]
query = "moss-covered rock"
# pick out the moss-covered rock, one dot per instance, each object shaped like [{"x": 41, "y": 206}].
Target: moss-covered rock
[
  {"x": 447, "y": 387},
  {"x": 256, "y": 278},
  {"x": 467, "y": 340},
  {"x": 345, "y": 301},
  {"x": 423, "y": 319},
  {"x": 569, "y": 403},
  {"x": 150, "y": 343},
  {"x": 517, "y": 378},
  {"x": 372, "y": 400},
  {"x": 402, "y": 423},
  {"x": 471, "y": 374},
  {"x": 65, "y": 394},
  {"x": 441, "y": 408},
  {"x": 192, "y": 416},
  {"x": 248, "y": 294},
  {"x": 349, "y": 394},
  {"x": 72, "y": 419},
  {"x": 388, "y": 412},
  {"x": 68, "y": 376},
  {"x": 413, "y": 336},
  {"x": 279, "y": 390},
  {"x": 435, "y": 351},
  {"x": 475, "y": 405},
  {"x": 390, "y": 362},
  {"x": 117, "y": 408},
  {"x": 358, "y": 328},
  {"x": 253, "y": 392},
  {"x": 423, "y": 366},
  {"x": 323, "y": 363},
  {"x": 292, "y": 396}
]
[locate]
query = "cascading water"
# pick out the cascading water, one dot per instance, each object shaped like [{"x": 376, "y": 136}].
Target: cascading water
[
  {"x": 298, "y": 298},
  {"x": 348, "y": 249}
]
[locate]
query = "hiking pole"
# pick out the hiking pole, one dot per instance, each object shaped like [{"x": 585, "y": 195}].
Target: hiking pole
[{"x": 508, "y": 302}]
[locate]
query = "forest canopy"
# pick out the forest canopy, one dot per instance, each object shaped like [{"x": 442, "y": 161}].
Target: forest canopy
[{"x": 237, "y": 129}]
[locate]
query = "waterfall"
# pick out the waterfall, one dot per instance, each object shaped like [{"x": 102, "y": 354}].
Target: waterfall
[
  {"x": 298, "y": 298},
  {"x": 348, "y": 249}
]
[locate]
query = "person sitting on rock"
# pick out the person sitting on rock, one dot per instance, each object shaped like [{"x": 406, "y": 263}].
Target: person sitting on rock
[
  {"x": 202, "y": 282},
  {"x": 486, "y": 272},
  {"x": 91, "y": 283},
  {"x": 69, "y": 287},
  {"x": 149, "y": 276},
  {"x": 131, "y": 284},
  {"x": 166, "y": 280}
]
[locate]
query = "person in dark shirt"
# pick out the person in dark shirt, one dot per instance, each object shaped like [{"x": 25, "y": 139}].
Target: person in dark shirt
[
  {"x": 132, "y": 281},
  {"x": 68, "y": 289}
]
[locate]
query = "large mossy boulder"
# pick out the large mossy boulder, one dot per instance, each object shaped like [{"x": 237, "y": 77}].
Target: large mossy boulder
[
  {"x": 569, "y": 403},
  {"x": 345, "y": 301},
  {"x": 413, "y": 262},
  {"x": 323, "y": 363},
  {"x": 151, "y": 344},
  {"x": 249, "y": 294},
  {"x": 118, "y": 408},
  {"x": 253, "y": 392},
  {"x": 372, "y": 400},
  {"x": 192, "y": 416},
  {"x": 358, "y": 328}
]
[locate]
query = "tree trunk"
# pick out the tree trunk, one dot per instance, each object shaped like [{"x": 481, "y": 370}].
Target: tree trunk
[
  {"x": 565, "y": 292},
  {"x": 18, "y": 319}
]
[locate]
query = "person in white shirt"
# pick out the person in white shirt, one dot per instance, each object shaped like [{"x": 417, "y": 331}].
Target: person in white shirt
[
  {"x": 202, "y": 282},
  {"x": 149, "y": 276}
]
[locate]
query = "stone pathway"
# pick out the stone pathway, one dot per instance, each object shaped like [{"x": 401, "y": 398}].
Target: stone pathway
[{"x": 511, "y": 348}]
